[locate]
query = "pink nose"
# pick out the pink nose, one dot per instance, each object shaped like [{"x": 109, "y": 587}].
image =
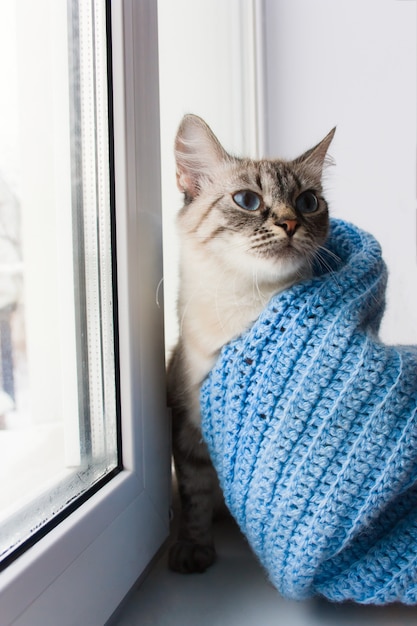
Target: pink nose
[{"x": 290, "y": 226}]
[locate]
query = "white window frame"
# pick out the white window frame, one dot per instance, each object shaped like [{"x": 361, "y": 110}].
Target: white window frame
[{"x": 80, "y": 571}]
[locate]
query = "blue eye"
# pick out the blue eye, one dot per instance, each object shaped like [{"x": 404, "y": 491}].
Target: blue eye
[
  {"x": 307, "y": 202},
  {"x": 247, "y": 200}
]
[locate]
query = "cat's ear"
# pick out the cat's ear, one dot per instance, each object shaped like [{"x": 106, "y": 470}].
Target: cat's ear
[
  {"x": 317, "y": 158},
  {"x": 197, "y": 152}
]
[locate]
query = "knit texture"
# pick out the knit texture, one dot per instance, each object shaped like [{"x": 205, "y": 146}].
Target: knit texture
[{"x": 311, "y": 425}]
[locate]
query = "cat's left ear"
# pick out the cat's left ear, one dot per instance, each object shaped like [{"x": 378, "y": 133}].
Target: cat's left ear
[
  {"x": 316, "y": 158},
  {"x": 198, "y": 152}
]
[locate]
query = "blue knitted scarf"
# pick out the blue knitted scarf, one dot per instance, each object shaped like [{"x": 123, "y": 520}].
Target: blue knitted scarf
[{"x": 311, "y": 423}]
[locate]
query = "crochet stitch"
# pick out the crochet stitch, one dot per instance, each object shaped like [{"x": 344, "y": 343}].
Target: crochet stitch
[{"x": 311, "y": 423}]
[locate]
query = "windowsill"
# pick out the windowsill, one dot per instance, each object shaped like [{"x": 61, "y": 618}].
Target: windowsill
[{"x": 235, "y": 590}]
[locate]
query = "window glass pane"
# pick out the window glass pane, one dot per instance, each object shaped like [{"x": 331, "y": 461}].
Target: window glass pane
[{"x": 58, "y": 392}]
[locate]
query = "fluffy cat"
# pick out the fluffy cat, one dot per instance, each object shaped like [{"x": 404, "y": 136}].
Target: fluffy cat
[{"x": 248, "y": 229}]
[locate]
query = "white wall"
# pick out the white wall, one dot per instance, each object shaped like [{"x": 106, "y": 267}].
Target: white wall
[
  {"x": 207, "y": 67},
  {"x": 350, "y": 63},
  {"x": 353, "y": 64}
]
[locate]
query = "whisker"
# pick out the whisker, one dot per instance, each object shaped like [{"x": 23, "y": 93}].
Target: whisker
[
  {"x": 158, "y": 288},
  {"x": 183, "y": 316},
  {"x": 331, "y": 254},
  {"x": 325, "y": 263}
]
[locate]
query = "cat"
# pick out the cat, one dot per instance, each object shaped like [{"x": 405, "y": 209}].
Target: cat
[{"x": 248, "y": 229}]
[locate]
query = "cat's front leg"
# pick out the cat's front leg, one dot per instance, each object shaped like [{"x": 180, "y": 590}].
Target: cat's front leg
[
  {"x": 193, "y": 550},
  {"x": 198, "y": 485}
]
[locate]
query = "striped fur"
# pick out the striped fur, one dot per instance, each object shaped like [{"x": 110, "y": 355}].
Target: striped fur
[{"x": 232, "y": 261}]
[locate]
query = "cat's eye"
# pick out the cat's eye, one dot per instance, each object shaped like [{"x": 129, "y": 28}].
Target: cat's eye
[
  {"x": 247, "y": 200},
  {"x": 307, "y": 202}
]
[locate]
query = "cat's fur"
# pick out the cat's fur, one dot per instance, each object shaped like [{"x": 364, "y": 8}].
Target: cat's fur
[{"x": 232, "y": 260}]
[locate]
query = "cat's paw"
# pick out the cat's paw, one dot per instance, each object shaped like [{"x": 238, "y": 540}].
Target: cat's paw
[{"x": 189, "y": 558}]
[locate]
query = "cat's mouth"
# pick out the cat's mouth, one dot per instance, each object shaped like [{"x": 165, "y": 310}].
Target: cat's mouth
[
  {"x": 285, "y": 249},
  {"x": 286, "y": 256},
  {"x": 288, "y": 252}
]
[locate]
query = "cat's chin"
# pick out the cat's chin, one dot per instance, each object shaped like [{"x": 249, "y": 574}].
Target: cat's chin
[{"x": 287, "y": 263}]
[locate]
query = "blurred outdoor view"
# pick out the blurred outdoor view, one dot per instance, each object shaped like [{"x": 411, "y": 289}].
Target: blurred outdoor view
[
  {"x": 16, "y": 424},
  {"x": 58, "y": 424}
]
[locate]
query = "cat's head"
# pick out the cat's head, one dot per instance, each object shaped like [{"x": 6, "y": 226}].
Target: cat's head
[{"x": 265, "y": 216}]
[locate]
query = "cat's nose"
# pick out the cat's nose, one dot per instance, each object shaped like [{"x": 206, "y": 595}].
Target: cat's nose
[{"x": 290, "y": 226}]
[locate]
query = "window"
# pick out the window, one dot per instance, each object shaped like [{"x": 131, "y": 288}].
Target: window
[
  {"x": 68, "y": 360},
  {"x": 59, "y": 434}
]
